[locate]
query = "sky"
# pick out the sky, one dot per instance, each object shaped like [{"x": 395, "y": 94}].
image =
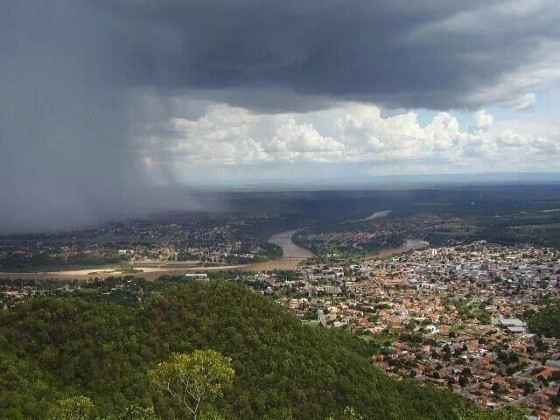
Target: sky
[{"x": 105, "y": 102}]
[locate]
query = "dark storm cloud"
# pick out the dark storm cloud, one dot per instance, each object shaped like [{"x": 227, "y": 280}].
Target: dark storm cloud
[
  {"x": 61, "y": 123},
  {"x": 73, "y": 74},
  {"x": 393, "y": 52},
  {"x": 66, "y": 157}
]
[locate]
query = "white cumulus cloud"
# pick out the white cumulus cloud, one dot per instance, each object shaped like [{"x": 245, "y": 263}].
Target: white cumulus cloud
[{"x": 348, "y": 133}]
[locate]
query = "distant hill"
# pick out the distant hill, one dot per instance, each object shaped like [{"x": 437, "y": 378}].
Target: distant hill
[{"x": 54, "y": 348}]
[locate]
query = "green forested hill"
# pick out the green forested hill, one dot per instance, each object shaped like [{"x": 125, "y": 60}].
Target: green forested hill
[{"x": 59, "y": 347}]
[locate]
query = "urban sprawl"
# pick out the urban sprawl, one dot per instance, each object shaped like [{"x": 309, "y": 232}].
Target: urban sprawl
[{"x": 451, "y": 317}]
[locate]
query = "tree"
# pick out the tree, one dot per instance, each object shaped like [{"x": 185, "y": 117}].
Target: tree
[
  {"x": 351, "y": 414},
  {"x": 348, "y": 414},
  {"x": 194, "y": 379},
  {"x": 465, "y": 411},
  {"x": 137, "y": 412},
  {"x": 75, "y": 408}
]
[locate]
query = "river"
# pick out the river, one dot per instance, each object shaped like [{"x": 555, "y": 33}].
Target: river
[{"x": 292, "y": 254}]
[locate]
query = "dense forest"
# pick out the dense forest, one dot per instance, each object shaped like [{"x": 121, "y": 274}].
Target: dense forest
[{"x": 55, "y": 348}]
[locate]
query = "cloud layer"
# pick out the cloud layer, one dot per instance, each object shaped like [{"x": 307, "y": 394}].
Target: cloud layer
[
  {"x": 437, "y": 54},
  {"x": 350, "y": 133}
]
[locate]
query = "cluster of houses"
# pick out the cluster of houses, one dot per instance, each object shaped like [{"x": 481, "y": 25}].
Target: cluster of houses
[
  {"x": 215, "y": 241},
  {"x": 452, "y": 317},
  {"x": 376, "y": 233}
]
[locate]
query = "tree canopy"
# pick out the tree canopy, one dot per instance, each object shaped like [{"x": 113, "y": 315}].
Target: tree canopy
[
  {"x": 547, "y": 321},
  {"x": 52, "y": 349},
  {"x": 194, "y": 378}
]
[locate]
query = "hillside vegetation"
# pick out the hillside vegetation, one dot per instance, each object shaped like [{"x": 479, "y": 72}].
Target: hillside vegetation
[
  {"x": 547, "y": 321},
  {"x": 56, "y": 348}
]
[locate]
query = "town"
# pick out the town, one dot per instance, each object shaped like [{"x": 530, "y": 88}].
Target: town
[
  {"x": 451, "y": 317},
  {"x": 177, "y": 238}
]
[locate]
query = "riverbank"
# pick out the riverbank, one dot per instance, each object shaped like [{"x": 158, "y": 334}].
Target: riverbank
[
  {"x": 409, "y": 245},
  {"x": 292, "y": 257}
]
